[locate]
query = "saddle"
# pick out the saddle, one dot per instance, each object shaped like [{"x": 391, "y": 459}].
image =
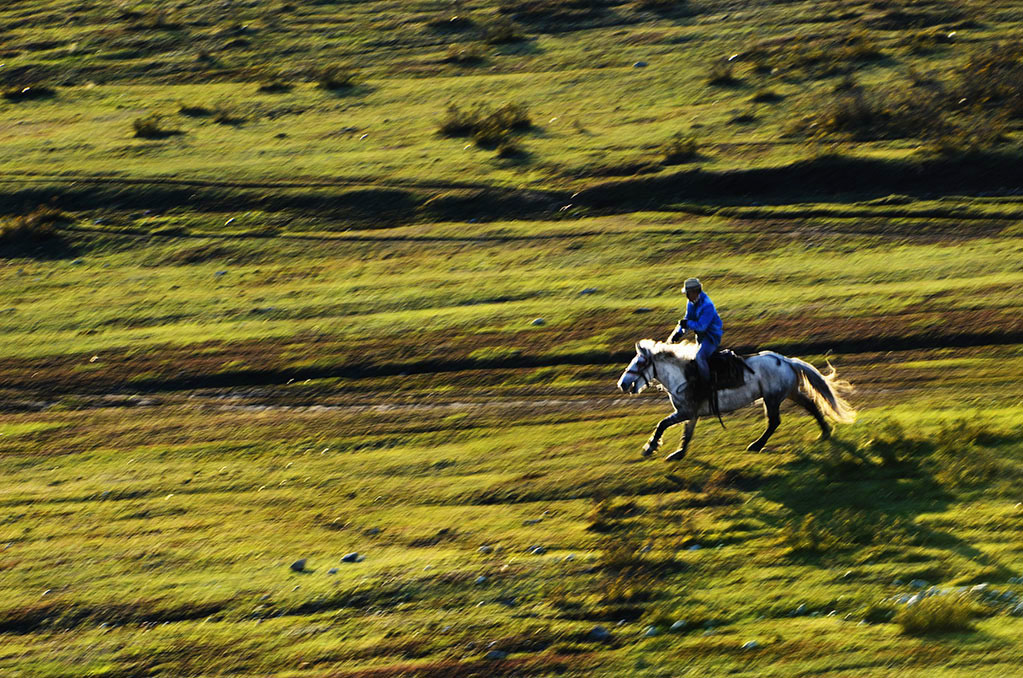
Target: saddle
[{"x": 727, "y": 370}]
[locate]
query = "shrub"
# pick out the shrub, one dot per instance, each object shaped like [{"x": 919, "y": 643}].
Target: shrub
[
  {"x": 681, "y": 148},
  {"x": 864, "y": 115},
  {"x": 938, "y": 614},
  {"x": 816, "y": 57},
  {"x": 488, "y": 127},
  {"x": 149, "y": 128},
  {"x": 808, "y": 536},
  {"x": 338, "y": 76},
  {"x": 34, "y": 227},
  {"x": 465, "y": 55},
  {"x": 501, "y": 31},
  {"x": 223, "y": 116},
  {"x": 274, "y": 86},
  {"x": 990, "y": 78}
]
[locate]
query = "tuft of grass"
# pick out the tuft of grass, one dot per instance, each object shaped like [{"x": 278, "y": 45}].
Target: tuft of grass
[
  {"x": 275, "y": 86},
  {"x": 37, "y": 226},
  {"x": 938, "y": 614},
  {"x": 502, "y": 31},
  {"x": 337, "y": 77},
  {"x": 679, "y": 149},
  {"x": 488, "y": 127},
  {"x": 150, "y": 127},
  {"x": 465, "y": 55}
]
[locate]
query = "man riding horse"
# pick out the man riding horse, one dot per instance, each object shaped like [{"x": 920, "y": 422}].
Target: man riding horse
[{"x": 703, "y": 319}]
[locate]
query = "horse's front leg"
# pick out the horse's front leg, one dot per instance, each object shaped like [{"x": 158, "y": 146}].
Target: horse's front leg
[
  {"x": 662, "y": 426},
  {"x": 687, "y": 436}
]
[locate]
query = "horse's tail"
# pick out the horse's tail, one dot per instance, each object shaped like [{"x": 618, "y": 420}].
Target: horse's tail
[{"x": 825, "y": 390}]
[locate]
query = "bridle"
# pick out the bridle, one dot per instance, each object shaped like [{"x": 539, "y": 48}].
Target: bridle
[{"x": 641, "y": 367}]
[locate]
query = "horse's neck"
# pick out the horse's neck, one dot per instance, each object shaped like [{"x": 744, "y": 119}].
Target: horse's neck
[{"x": 670, "y": 374}]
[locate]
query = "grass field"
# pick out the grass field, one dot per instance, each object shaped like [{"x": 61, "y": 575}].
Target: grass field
[{"x": 297, "y": 384}]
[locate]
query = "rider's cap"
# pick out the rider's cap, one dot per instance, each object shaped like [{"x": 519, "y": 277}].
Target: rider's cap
[{"x": 692, "y": 284}]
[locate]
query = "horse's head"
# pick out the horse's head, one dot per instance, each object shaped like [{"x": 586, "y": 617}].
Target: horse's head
[{"x": 640, "y": 372}]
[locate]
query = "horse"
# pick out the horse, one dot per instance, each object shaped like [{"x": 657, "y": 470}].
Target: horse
[{"x": 771, "y": 378}]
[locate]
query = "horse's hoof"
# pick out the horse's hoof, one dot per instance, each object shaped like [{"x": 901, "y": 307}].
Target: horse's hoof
[
  {"x": 647, "y": 453},
  {"x": 677, "y": 455},
  {"x": 755, "y": 447}
]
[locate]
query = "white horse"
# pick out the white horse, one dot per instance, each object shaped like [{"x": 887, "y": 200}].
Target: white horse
[{"x": 774, "y": 378}]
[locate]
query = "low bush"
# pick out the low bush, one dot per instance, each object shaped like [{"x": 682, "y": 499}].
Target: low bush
[
  {"x": 938, "y": 614},
  {"x": 337, "y": 77},
  {"x": 989, "y": 79},
  {"x": 465, "y": 55},
  {"x": 501, "y": 31},
  {"x": 37, "y": 226},
  {"x": 814, "y": 58},
  {"x": 274, "y": 86},
  {"x": 149, "y": 127},
  {"x": 487, "y": 126},
  {"x": 679, "y": 149},
  {"x": 807, "y": 536}
]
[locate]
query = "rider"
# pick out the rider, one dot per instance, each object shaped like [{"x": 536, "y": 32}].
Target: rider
[{"x": 703, "y": 319}]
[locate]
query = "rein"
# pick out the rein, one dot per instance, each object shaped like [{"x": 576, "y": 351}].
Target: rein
[{"x": 649, "y": 362}]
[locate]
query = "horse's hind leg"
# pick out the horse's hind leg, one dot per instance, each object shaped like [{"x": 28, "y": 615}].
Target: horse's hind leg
[
  {"x": 772, "y": 408},
  {"x": 810, "y": 406},
  {"x": 655, "y": 439},
  {"x": 687, "y": 435}
]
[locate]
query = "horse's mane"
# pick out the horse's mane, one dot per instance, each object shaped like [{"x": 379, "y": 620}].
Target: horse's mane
[{"x": 684, "y": 352}]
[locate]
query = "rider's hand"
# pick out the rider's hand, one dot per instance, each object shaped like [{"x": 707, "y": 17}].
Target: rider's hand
[{"x": 680, "y": 330}]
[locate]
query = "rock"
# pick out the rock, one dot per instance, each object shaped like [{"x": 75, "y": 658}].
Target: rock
[
  {"x": 220, "y": 273},
  {"x": 538, "y": 550},
  {"x": 643, "y": 309},
  {"x": 486, "y": 548},
  {"x": 918, "y": 584},
  {"x": 494, "y": 655},
  {"x": 679, "y": 625},
  {"x": 298, "y": 565},
  {"x": 533, "y": 521},
  {"x": 332, "y": 570},
  {"x": 651, "y": 631},
  {"x": 750, "y": 645},
  {"x": 481, "y": 579},
  {"x": 570, "y": 557},
  {"x": 695, "y": 547},
  {"x": 372, "y": 531},
  {"x": 1017, "y": 611},
  {"x": 539, "y": 321},
  {"x": 599, "y": 634},
  {"x": 589, "y": 290},
  {"x": 640, "y": 64},
  {"x": 801, "y": 610},
  {"x": 352, "y": 557}
]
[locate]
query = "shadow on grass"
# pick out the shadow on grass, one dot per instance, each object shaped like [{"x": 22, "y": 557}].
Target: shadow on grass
[{"x": 846, "y": 499}]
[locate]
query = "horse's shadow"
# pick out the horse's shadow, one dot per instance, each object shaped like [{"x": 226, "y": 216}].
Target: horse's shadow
[{"x": 859, "y": 501}]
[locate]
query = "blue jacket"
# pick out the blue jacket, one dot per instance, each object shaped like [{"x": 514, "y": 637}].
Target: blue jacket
[{"x": 702, "y": 318}]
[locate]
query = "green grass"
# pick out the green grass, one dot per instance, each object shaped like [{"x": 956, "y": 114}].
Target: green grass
[{"x": 303, "y": 326}]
